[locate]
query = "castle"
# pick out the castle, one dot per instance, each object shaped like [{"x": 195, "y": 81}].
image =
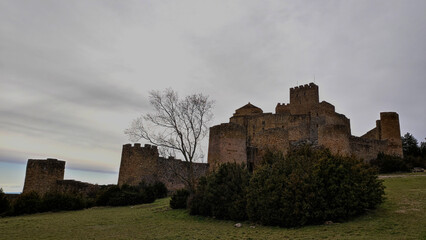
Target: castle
[
  {"x": 248, "y": 135},
  {"x": 250, "y": 131}
]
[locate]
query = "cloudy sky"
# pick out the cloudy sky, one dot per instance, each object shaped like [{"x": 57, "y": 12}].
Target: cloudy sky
[{"x": 73, "y": 74}]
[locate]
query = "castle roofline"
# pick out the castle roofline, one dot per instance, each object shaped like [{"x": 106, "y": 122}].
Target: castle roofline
[{"x": 248, "y": 109}]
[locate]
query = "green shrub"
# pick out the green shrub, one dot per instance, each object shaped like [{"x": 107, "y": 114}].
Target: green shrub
[
  {"x": 160, "y": 190},
  {"x": 27, "y": 203},
  {"x": 388, "y": 164},
  {"x": 4, "y": 203},
  {"x": 179, "y": 199},
  {"x": 310, "y": 187},
  {"x": 106, "y": 193},
  {"x": 130, "y": 195},
  {"x": 222, "y": 194},
  {"x": 55, "y": 201}
]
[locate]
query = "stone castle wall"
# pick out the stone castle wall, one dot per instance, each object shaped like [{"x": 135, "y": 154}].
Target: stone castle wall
[
  {"x": 138, "y": 164},
  {"x": 144, "y": 164},
  {"x": 41, "y": 175},
  {"x": 173, "y": 171},
  {"x": 227, "y": 143},
  {"x": 304, "y": 119},
  {"x": 47, "y": 175}
]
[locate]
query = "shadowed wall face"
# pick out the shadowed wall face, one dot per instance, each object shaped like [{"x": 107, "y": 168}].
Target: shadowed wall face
[
  {"x": 138, "y": 164},
  {"x": 227, "y": 143},
  {"x": 390, "y": 131},
  {"x": 42, "y": 175}
]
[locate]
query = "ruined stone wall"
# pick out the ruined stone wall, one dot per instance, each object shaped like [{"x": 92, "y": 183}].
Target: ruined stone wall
[
  {"x": 138, "y": 164},
  {"x": 77, "y": 188},
  {"x": 372, "y": 134},
  {"x": 227, "y": 143},
  {"x": 366, "y": 149},
  {"x": 41, "y": 175},
  {"x": 173, "y": 172}
]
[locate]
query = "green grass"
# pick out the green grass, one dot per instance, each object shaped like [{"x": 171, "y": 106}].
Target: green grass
[{"x": 402, "y": 216}]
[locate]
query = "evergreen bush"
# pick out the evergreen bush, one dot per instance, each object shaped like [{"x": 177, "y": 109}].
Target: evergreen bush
[
  {"x": 179, "y": 199},
  {"x": 27, "y": 203},
  {"x": 389, "y": 164},
  {"x": 130, "y": 195},
  {"x": 4, "y": 203},
  {"x": 310, "y": 187},
  {"x": 222, "y": 194},
  {"x": 55, "y": 201}
]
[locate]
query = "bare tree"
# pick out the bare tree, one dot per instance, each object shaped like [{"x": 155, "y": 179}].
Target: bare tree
[{"x": 176, "y": 125}]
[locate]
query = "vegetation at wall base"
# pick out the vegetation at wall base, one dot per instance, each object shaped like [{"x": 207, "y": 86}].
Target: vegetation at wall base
[
  {"x": 4, "y": 203},
  {"x": 55, "y": 201},
  {"x": 305, "y": 187},
  {"x": 414, "y": 156},
  {"x": 179, "y": 199},
  {"x": 222, "y": 194},
  {"x": 30, "y": 203},
  {"x": 131, "y": 195},
  {"x": 312, "y": 186},
  {"x": 401, "y": 216},
  {"x": 389, "y": 164}
]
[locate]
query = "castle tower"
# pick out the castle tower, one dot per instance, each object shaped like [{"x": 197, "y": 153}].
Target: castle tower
[
  {"x": 41, "y": 175},
  {"x": 303, "y": 98},
  {"x": 390, "y": 131},
  {"x": 227, "y": 143},
  {"x": 138, "y": 164}
]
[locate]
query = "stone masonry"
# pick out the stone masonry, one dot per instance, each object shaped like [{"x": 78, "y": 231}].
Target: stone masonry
[
  {"x": 47, "y": 175},
  {"x": 144, "y": 164},
  {"x": 250, "y": 131}
]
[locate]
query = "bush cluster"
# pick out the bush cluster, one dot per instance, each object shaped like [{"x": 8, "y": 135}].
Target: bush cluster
[
  {"x": 113, "y": 195},
  {"x": 304, "y": 187},
  {"x": 179, "y": 199},
  {"x": 389, "y": 164},
  {"x": 131, "y": 195},
  {"x": 223, "y": 193},
  {"x": 4, "y": 203},
  {"x": 310, "y": 187},
  {"x": 53, "y": 201}
]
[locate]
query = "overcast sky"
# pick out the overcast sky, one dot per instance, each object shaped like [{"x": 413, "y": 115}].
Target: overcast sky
[{"x": 74, "y": 74}]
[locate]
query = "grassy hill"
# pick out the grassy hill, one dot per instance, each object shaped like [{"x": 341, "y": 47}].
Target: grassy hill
[{"x": 402, "y": 216}]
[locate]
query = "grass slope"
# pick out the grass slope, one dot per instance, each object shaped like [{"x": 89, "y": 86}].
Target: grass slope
[{"x": 402, "y": 216}]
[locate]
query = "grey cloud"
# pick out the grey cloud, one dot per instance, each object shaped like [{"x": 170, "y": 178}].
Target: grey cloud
[{"x": 63, "y": 128}]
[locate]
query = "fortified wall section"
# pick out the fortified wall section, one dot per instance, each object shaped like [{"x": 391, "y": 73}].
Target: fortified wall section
[
  {"x": 144, "y": 164},
  {"x": 172, "y": 172},
  {"x": 41, "y": 175},
  {"x": 303, "y": 98},
  {"x": 227, "y": 143},
  {"x": 47, "y": 175},
  {"x": 138, "y": 164},
  {"x": 390, "y": 131},
  {"x": 387, "y": 129},
  {"x": 304, "y": 119},
  {"x": 335, "y": 138}
]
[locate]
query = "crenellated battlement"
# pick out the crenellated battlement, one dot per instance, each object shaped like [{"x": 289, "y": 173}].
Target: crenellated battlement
[{"x": 310, "y": 86}]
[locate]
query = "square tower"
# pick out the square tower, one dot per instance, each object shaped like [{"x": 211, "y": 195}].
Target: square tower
[{"x": 303, "y": 98}]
